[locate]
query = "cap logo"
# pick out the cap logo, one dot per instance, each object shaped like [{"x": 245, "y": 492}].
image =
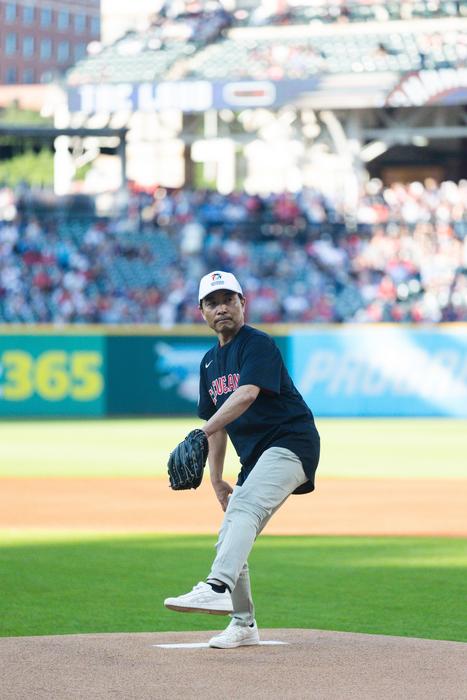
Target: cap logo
[{"x": 217, "y": 280}]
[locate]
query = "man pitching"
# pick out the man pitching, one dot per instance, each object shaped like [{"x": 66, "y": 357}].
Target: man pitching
[{"x": 247, "y": 394}]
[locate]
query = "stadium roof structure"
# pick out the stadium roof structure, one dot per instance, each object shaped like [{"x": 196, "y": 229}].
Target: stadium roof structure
[
  {"x": 337, "y": 66},
  {"x": 50, "y": 132}
]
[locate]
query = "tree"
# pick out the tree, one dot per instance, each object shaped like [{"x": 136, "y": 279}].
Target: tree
[{"x": 30, "y": 167}]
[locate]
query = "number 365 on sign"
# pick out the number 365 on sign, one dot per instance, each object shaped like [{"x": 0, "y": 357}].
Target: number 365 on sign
[{"x": 54, "y": 375}]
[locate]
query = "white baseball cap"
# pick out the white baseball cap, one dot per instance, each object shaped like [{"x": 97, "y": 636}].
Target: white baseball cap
[{"x": 218, "y": 280}]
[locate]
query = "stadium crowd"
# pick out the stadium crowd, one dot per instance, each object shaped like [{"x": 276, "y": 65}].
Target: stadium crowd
[
  {"x": 321, "y": 11},
  {"x": 400, "y": 256},
  {"x": 344, "y": 11}
]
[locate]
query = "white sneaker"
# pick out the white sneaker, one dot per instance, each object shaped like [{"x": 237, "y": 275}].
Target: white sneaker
[
  {"x": 235, "y": 635},
  {"x": 201, "y": 599}
]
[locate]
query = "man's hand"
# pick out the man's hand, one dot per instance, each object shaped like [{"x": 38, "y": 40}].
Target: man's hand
[{"x": 222, "y": 490}]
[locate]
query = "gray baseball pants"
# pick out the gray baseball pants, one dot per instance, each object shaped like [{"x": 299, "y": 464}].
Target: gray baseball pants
[{"x": 277, "y": 473}]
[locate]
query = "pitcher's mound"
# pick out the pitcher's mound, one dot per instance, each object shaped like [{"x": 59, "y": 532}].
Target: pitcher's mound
[{"x": 311, "y": 664}]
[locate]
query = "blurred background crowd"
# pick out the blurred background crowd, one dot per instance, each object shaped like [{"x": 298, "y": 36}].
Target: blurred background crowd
[
  {"x": 182, "y": 115},
  {"x": 399, "y": 256}
]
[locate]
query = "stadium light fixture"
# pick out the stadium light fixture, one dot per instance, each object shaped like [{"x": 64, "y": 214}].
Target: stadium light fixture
[{"x": 420, "y": 141}]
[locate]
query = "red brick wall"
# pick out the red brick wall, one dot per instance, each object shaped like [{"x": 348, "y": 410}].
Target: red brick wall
[{"x": 24, "y": 35}]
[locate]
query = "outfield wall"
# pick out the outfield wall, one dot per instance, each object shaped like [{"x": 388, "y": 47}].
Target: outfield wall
[{"x": 384, "y": 370}]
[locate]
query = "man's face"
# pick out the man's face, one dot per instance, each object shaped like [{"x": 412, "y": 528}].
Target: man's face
[{"x": 223, "y": 311}]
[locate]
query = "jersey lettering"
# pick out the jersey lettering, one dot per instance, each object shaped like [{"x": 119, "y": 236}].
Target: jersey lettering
[{"x": 223, "y": 385}]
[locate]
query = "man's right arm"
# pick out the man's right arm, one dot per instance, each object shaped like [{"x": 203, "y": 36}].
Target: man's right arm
[{"x": 217, "y": 449}]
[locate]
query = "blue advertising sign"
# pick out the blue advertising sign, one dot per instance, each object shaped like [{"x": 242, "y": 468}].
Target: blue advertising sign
[
  {"x": 382, "y": 371},
  {"x": 187, "y": 96}
]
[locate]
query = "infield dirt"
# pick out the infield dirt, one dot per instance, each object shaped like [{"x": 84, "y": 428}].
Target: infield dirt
[{"x": 338, "y": 507}]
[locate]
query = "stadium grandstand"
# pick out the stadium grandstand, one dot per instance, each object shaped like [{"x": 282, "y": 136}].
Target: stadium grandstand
[
  {"x": 318, "y": 148},
  {"x": 319, "y": 37},
  {"x": 404, "y": 258},
  {"x": 261, "y": 96}
]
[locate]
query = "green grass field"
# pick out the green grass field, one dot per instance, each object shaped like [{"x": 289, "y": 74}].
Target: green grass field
[
  {"x": 63, "y": 583},
  {"x": 397, "y": 586},
  {"x": 434, "y": 448}
]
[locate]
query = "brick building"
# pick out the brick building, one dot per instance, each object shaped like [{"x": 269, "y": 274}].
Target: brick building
[{"x": 41, "y": 39}]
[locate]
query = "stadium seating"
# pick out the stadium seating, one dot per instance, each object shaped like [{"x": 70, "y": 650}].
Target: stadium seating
[
  {"x": 404, "y": 258},
  {"x": 218, "y": 46},
  {"x": 361, "y": 11},
  {"x": 248, "y": 57},
  {"x": 131, "y": 57}
]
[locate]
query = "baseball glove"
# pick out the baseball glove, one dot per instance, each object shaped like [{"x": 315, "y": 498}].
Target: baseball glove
[{"x": 187, "y": 461}]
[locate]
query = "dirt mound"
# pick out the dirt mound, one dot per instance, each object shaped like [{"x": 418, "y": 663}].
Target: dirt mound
[{"x": 312, "y": 664}]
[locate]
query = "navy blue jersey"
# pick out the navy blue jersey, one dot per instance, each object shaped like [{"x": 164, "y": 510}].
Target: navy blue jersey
[{"x": 279, "y": 417}]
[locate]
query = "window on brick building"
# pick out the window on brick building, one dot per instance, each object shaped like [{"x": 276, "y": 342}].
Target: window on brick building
[
  {"x": 28, "y": 76},
  {"x": 46, "y": 17},
  {"x": 63, "y": 20},
  {"x": 79, "y": 51},
  {"x": 80, "y": 24},
  {"x": 28, "y": 14},
  {"x": 28, "y": 46},
  {"x": 10, "y": 12},
  {"x": 11, "y": 43},
  {"x": 46, "y": 49},
  {"x": 63, "y": 51},
  {"x": 10, "y": 75},
  {"x": 95, "y": 26}
]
